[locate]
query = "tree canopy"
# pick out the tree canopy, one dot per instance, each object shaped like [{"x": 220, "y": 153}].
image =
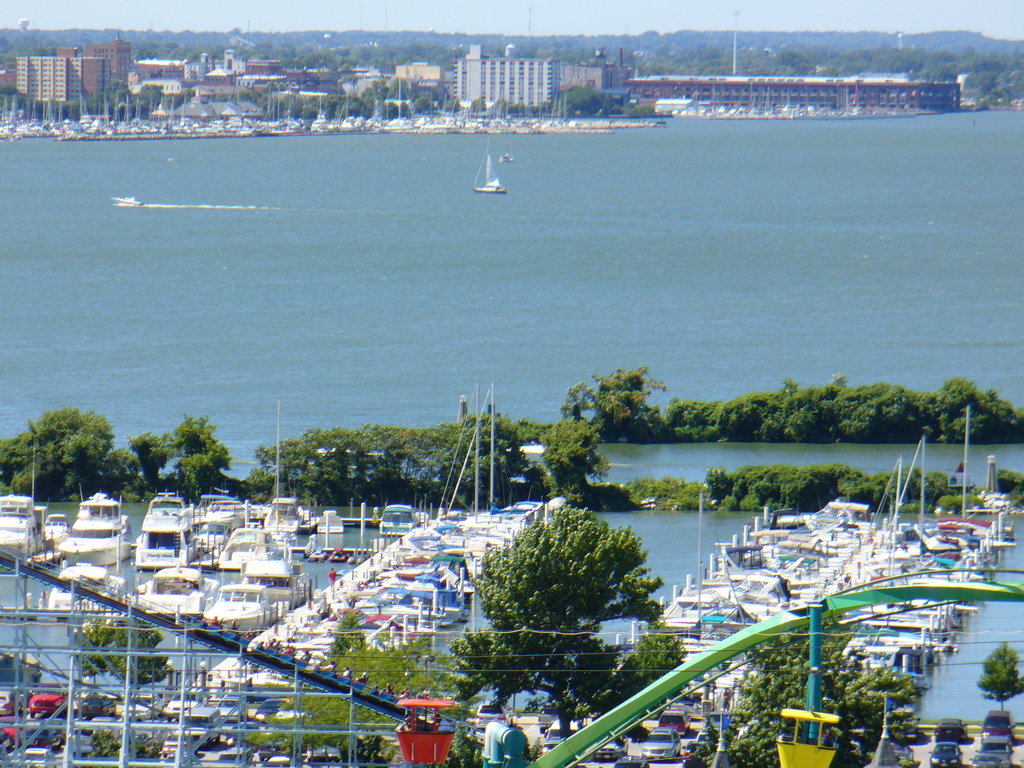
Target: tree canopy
[
  {"x": 546, "y": 597},
  {"x": 1000, "y": 678}
]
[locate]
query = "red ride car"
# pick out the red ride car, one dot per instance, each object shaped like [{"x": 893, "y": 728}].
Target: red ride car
[{"x": 46, "y": 704}]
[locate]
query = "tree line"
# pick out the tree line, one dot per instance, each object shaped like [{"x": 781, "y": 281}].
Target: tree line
[{"x": 618, "y": 406}]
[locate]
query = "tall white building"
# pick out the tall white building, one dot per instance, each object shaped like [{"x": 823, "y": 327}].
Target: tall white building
[{"x": 517, "y": 81}]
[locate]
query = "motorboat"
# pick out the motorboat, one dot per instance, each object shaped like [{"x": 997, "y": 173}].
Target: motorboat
[
  {"x": 56, "y": 528},
  {"x": 177, "y": 590},
  {"x": 127, "y": 202},
  {"x": 100, "y": 534},
  {"x": 284, "y": 517},
  {"x": 167, "y": 534},
  {"x": 221, "y": 508},
  {"x": 242, "y": 607},
  {"x": 281, "y": 575},
  {"x": 19, "y": 525},
  {"x": 397, "y": 520},
  {"x": 247, "y": 544},
  {"x": 92, "y": 576}
]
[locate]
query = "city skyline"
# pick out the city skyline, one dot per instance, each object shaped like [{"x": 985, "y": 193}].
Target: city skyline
[{"x": 994, "y": 18}]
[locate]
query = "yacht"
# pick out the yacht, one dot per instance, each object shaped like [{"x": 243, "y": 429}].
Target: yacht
[
  {"x": 242, "y": 607},
  {"x": 281, "y": 575},
  {"x": 247, "y": 544},
  {"x": 93, "y": 576},
  {"x": 100, "y": 535},
  {"x": 284, "y": 517},
  {"x": 56, "y": 528},
  {"x": 127, "y": 202},
  {"x": 167, "y": 535},
  {"x": 19, "y": 525},
  {"x": 177, "y": 590},
  {"x": 397, "y": 520}
]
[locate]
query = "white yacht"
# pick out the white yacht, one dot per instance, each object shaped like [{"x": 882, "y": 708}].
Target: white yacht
[
  {"x": 167, "y": 535},
  {"x": 284, "y": 517},
  {"x": 280, "y": 575},
  {"x": 177, "y": 590},
  {"x": 56, "y": 528},
  {"x": 247, "y": 544},
  {"x": 19, "y": 525},
  {"x": 243, "y": 607},
  {"x": 93, "y": 576},
  {"x": 100, "y": 535},
  {"x": 397, "y": 520}
]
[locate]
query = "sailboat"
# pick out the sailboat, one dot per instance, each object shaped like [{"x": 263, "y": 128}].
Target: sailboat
[{"x": 492, "y": 184}]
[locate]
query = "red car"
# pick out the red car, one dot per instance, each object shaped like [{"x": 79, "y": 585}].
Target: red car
[{"x": 46, "y": 704}]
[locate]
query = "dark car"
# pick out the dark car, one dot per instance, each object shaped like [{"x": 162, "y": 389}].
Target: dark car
[
  {"x": 947, "y": 754},
  {"x": 951, "y": 729},
  {"x": 998, "y": 722},
  {"x": 96, "y": 705},
  {"x": 632, "y": 762}
]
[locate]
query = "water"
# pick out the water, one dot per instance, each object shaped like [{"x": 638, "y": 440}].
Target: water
[{"x": 376, "y": 287}]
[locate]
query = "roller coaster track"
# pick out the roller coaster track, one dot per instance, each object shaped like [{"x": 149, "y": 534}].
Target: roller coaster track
[
  {"x": 217, "y": 639},
  {"x": 932, "y": 586}
]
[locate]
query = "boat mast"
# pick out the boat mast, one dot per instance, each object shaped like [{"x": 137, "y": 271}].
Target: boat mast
[
  {"x": 700, "y": 556},
  {"x": 967, "y": 442},
  {"x": 490, "y": 489},
  {"x": 920, "y": 514},
  {"x": 277, "y": 455},
  {"x": 476, "y": 450}
]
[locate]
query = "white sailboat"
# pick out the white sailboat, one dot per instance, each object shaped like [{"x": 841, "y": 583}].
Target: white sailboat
[{"x": 492, "y": 184}]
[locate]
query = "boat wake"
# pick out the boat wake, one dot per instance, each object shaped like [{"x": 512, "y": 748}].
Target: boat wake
[{"x": 132, "y": 203}]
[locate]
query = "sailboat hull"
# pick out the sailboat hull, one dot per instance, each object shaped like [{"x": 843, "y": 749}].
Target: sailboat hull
[{"x": 491, "y": 190}]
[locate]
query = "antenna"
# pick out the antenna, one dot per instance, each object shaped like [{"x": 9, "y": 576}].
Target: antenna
[
  {"x": 735, "y": 22},
  {"x": 529, "y": 19},
  {"x": 277, "y": 455}
]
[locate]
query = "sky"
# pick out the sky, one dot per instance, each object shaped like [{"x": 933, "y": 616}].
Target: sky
[{"x": 994, "y": 18}]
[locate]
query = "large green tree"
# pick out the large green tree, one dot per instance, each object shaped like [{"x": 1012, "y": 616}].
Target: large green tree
[
  {"x": 200, "y": 459},
  {"x": 1000, "y": 678},
  {"x": 571, "y": 458},
  {"x": 619, "y": 404},
  {"x": 546, "y": 596}
]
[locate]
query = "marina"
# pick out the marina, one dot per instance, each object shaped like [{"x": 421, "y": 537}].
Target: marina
[{"x": 271, "y": 632}]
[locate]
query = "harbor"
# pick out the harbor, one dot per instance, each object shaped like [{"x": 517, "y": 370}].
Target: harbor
[{"x": 230, "y": 646}]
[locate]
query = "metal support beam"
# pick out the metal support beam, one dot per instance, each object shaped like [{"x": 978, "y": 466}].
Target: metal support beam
[{"x": 813, "y": 700}]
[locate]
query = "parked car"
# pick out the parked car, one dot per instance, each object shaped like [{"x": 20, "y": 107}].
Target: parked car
[
  {"x": 676, "y": 718},
  {"x": 998, "y": 722},
  {"x": 96, "y": 705},
  {"x": 46, "y": 704},
  {"x": 998, "y": 745},
  {"x": 610, "y": 751},
  {"x": 632, "y": 762},
  {"x": 662, "y": 744},
  {"x": 947, "y": 754},
  {"x": 6, "y": 703},
  {"x": 951, "y": 729}
]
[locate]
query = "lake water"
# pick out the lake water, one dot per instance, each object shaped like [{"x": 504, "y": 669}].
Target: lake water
[{"x": 373, "y": 286}]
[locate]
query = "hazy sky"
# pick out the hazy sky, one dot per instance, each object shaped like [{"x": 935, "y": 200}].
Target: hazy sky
[{"x": 995, "y": 18}]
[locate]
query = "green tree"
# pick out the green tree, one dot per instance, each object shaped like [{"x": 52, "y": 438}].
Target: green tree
[
  {"x": 619, "y": 404},
  {"x": 70, "y": 452},
  {"x": 571, "y": 458},
  {"x": 110, "y": 638},
  {"x": 1000, "y": 678},
  {"x": 200, "y": 459},
  {"x": 546, "y": 596},
  {"x": 152, "y": 452}
]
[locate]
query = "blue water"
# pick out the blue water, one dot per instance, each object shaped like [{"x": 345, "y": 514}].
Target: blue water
[{"x": 727, "y": 256}]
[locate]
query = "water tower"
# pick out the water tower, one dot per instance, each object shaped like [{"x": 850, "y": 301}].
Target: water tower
[
  {"x": 510, "y": 51},
  {"x": 23, "y": 25}
]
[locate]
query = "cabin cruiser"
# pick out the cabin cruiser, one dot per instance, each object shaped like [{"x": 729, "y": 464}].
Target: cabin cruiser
[
  {"x": 284, "y": 517},
  {"x": 167, "y": 537},
  {"x": 242, "y": 607},
  {"x": 221, "y": 508},
  {"x": 100, "y": 534},
  {"x": 177, "y": 590},
  {"x": 247, "y": 544},
  {"x": 92, "y": 576},
  {"x": 397, "y": 520},
  {"x": 280, "y": 575},
  {"x": 19, "y": 525},
  {"x": 56, "y": 528}
]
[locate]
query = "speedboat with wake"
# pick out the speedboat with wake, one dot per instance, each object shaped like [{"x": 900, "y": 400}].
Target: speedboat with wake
[{"x": 127, "y": 202}]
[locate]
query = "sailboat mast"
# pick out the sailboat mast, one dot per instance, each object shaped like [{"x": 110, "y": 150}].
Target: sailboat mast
[
  {"x": 490, "y": 489},
  {"x": 277, "y": 455},
  {"x": 476, "y": 451},
  {"x": 967, "y": 442},
  {"x": 920, "y": 515}
]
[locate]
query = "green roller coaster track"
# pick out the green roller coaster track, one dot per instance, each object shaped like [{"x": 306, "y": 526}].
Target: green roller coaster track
[{"x": 926, "y": 585}]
